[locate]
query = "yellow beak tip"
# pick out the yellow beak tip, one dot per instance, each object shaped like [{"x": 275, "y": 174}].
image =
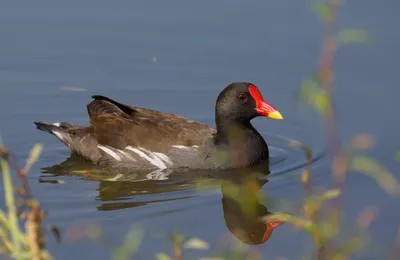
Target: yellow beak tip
[{"x": 275, "y": 115}]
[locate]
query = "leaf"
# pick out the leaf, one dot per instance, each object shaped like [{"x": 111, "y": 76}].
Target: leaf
[
  {"x": 4, "y": 220},
  {"x": 324, "y": 11},
  {"x": 308, "y": 87},
  {"x": 35, "y": 153},
  {"x": 162, "y": 256},
  {"x": 371, "y": 168},
  {"x": 196, "y": 243},
  {"x": 177, "y": 238},
  {"x": 7, "y": 245},
  {"x": 303, "y": 224},
  {"x": 321, "y": 101},
  {"x": 21, "y": 255},
  {"x": 305, "y": 177},
  {"x": 330, "y": 225},
  {"x": 313, "y": 95},
  {"x": 94, "y": 232},
  {"x": 353, "y": 245},
  {"x": 10, "y": 202},
  {"x": 330, "y": 194},
  {"x": 397, "y": 156},
  {"x": 353, "y": 36},
  {"x": 130, "y": 244},
  {"x": 5, "y": 223},
  {"x": 33, "y": 156}
]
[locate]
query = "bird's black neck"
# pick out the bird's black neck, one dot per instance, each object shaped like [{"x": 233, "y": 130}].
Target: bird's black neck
[
  {"x": 240, "y": 134},
  {"x": 230, "y": 130}
]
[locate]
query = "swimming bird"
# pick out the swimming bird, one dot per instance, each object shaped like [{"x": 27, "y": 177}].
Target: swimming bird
[{"x": 120, "y": 135}]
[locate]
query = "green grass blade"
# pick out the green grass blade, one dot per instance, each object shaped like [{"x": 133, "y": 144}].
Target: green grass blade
[
  {"x": 33, "y": 156},
  {"x": 371, "y": 168},
  {"x": 10, "y": 202}
]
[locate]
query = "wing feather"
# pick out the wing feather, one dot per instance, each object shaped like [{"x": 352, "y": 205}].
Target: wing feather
[{"x": 120, "y": 125}]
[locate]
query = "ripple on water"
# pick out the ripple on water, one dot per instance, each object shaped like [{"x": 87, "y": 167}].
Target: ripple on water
[{"x": 286, "y": 157}]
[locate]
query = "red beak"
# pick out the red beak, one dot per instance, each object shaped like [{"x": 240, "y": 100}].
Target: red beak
[
  {"x": 271, "y": 225},
  {"x": 262, "y": 107}
]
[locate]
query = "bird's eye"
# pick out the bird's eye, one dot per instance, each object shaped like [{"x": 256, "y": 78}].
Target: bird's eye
[{"x": 241, "y": 97}]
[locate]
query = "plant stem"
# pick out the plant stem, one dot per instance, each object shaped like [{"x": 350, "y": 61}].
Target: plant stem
[{"x": 10, "y": 202}]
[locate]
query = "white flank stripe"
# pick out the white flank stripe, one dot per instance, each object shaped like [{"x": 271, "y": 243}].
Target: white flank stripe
[
  {"x": 181, "y": 146},
  {"x": 109, "y": 152},
  {"x": 159, "y": 160},
  {"x": 127, "y": 155},
  {"x": 57, "y": 124},
  {"x": 156, "y": 161},
  {"x": 195, "y": 146},
  {"x": 164, "y": 158}
]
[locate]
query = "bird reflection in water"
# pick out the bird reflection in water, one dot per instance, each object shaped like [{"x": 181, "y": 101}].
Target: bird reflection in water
[{"x": 243, "y": 211}]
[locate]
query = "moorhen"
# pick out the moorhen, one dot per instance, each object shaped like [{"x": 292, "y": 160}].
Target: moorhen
[{"x": 126, "y": 136}]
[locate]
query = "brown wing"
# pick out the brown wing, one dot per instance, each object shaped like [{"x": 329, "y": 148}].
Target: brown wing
[{"x": 120, "y": 125}]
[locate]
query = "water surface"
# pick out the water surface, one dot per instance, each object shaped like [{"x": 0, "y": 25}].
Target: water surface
[{"x": 176, "y": 56}]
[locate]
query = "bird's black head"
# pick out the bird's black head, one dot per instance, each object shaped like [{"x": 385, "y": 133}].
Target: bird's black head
[{"x": 242, "y": 101}]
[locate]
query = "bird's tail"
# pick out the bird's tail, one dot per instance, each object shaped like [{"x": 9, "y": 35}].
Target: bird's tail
[
  {"x": 60, "y": 130},
  {"x": 78, "y": 139}
]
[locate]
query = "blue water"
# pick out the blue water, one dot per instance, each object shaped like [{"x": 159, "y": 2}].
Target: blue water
[{"x": 177, "y": 56}]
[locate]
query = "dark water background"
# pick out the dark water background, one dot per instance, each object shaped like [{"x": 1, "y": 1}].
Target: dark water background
[{"x": 176, "y": 56}]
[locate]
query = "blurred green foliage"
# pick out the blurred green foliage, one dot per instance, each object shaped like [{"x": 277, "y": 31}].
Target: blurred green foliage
[
  {"x": 16, "y": 242},
  {"x": 320, "y": 214}
]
